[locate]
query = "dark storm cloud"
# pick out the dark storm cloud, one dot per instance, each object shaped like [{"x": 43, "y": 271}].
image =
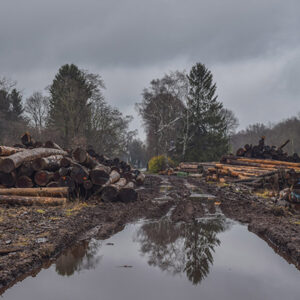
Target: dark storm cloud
[{"x": 147, "y": 38}]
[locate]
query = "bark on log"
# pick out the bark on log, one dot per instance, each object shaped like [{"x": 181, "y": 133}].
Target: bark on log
[
  {"x": 100, "y": 174},
  {"x": 127, "y": 195},
  {"x": 64, "y": 171},
  {"x": 53, "y": 184},
  {"x": 13, "y": 161},
  {"x": 27, "y": 140},
  {"x": 9, "y": 179},
  {"x": 114, "y": 176},
  {"x": 67, "y": 181},
  {"x": 28, "y": 201},
  {"x": 110, "y": 193},
  {"x": 140, "y": 179},
  {"x": 25, "y": 169},
  {"x": 24, "y": 182},
  {"x": 51, "y": 163},
  {"x": 42, "y": 177},
  {"x": 88, "y": 185},
  {"x": 37, "y": 192},
  {"x": 66, "y": 162},
  {"x": 6, "y": 151},
  {"x": 79, "y": 173},
  {"x": 81, "y": 156},
  {"x": 52, "y": 145}
]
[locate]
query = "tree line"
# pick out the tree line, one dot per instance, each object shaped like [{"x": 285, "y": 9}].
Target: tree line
[
  {"x": 72, "y": 113},
  {"x": 276, "y": 134}
]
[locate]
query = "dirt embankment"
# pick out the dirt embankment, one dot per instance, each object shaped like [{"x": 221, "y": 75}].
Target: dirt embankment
[{"x": 32, "y": 236}]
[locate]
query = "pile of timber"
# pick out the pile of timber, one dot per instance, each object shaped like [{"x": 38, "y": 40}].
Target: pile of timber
[
  {"x": 267, "y": 152},
  {"x": 258, "y": 173},
  {"x": 36, "y": 173},
  {"x": 194, "y": 167}
]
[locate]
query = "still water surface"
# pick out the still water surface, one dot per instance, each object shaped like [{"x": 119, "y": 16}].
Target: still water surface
[{"x": 211, "y": 258}]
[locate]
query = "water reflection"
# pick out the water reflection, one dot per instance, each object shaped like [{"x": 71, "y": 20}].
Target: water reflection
[
  {"x": 182, "y": 248},
  {"x": 83, "y": 256}
]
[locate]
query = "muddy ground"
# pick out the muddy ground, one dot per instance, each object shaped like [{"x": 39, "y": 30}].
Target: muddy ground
[{"x": 30, "y": 237}]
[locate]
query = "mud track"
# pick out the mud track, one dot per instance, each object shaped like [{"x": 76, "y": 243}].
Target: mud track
[{"x": 31, "y": 238}]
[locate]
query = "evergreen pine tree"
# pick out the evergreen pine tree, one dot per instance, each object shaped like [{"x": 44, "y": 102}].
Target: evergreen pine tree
[
  {"x": 207, "y": 124},
  {"x": 16, "y": 108},
  {"x": 69, "y": 103}
]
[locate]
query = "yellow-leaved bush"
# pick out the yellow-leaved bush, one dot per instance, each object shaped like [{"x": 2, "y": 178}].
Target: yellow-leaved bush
[{"x": 160, "y": 163}]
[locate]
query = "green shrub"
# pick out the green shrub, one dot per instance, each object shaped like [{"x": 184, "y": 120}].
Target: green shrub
[{"x": 160, "y": 163}]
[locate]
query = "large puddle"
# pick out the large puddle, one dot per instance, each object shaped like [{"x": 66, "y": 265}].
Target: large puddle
[{"x": 210, "y": 258}]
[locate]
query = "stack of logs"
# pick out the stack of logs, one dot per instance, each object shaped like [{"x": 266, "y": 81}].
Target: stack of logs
[
  {"x": 33, "y": 172},
  {"x": 267, "y": 152},
  {"x": 258, "y": 173}
]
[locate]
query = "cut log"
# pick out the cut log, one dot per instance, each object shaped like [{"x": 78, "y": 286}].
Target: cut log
[
  {"x": 81, "y": 156},
  {"x": 28, "y": 201},
  {"x": 140, "y": 179},
  {"x": 51, "y": 163},
  {"x": 53, "y": 184},
  {"x": 43, "y": 177},
  {"x": 66, "y": 162},
  {"x": 23, "y": 182},
  {"x": 52, "y": 145},
  {"x": 37, "y": 192},
  {"x": 100, "y": 174},
  {"x": 27, "y": 140},
  {"x": 64, "y": 171},
  {"x": 25, "y": 169},
  {"x": 13, "y": 161},
  {"x": 121, "y": 183},
  {"x": 88, "y": 185},
  {"x": 8, "y": 180},
  {"x": 67, "y": 181},
  {"x": 114, "y": 176},
  {"x": 283, "y": 145},
  {"x": 127, "y": 194},
  {"x": 6, "y": 151},
  {"x": 79, "y": 173},
  {"x": 110, "y": 193},
  {"x": 56, "y": 176}
]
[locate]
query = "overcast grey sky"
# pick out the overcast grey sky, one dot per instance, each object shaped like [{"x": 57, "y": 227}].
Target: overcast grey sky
[{"x": 251, "y": 46}]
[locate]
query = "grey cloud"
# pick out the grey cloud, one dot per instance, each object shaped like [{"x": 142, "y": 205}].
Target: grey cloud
[{"x": 251, "y": 46}]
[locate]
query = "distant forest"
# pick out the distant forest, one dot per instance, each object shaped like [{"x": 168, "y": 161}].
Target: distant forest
[
  {"x": 275, "y": 134},
  {"x": 182, "y": 116}
]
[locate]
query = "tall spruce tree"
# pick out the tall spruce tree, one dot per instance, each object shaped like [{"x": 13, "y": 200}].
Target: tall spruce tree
[
  {"x": 70, "y": 105},
  {"x": 16, "y": 109},
  {"x": 207, "y": 126}
]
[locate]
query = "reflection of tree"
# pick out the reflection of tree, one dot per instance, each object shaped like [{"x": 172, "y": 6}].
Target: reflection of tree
[
  {"x": 185, "y": 247},
  {"x": 81, "y": 257}
]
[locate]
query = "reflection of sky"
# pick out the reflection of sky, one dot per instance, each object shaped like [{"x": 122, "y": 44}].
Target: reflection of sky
[{"x": 245, "y": 267}]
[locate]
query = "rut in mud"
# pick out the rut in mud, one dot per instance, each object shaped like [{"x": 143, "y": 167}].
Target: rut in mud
[
  {"x": 173, "y": 204},
  {"x": 173, "y": 257}
]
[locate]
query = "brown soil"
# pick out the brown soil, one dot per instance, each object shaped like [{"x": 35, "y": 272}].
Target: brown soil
[{"x": 31, "y": 236}]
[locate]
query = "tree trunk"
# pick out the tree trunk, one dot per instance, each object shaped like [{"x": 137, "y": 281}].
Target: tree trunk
[
  {"x": 100, "y": 174},
  {"x": 42, "y": 177},
  {"x": 6, "y": 151},
  {"x": 51, "y": 163},
  {"x": 13, "y": 161},
  {"x": 114, "y": 176},
  {"x": 52, "y": 145},
  {"x": 81, "y": 156},
  {"x": 37, "y": 192},
  {"x": 8, "y": 179},
  {"x": 24, "y": 182},
  {"x": 28, "y": 201}
]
